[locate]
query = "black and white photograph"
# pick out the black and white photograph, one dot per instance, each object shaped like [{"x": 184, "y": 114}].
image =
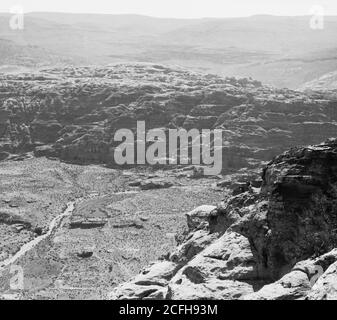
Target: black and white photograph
[{"x": 175, "y": 151}]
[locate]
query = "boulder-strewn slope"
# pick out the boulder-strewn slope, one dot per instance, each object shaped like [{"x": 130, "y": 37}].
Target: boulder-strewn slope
[
  {"x": 73, "y": 113},
  {"x": 274, "y": 242}
]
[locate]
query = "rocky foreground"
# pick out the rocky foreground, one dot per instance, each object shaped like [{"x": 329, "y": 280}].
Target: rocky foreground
[
  {"x": 274, "y": 242},
  {"x": 72, "y": 113}
]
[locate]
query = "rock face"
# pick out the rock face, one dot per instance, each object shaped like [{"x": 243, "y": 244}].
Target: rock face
[
  {"x": 273, "y": 243},
  {"x": 295, "y": 217},
  {"x": 73, "y": 113},
  {"x": 326, "y": 286}
]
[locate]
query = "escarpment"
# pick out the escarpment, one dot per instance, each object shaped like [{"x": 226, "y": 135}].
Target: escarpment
[
  {"x": 73, "y": 113},
  {"x": 274, "y": 242}
]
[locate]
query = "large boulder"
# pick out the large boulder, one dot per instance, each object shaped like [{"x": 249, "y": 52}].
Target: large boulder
[
  {"x": 199, "y": 216},
  {"x": 223, "y": 270},
  {"x": 45, "y": 151},
  {"x": 326, "y": 286},
  {"x": 151, "y": 283}
]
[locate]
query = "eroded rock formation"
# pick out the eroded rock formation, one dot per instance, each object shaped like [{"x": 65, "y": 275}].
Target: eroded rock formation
[
  {"x": 73, "y": 113},
  {"x": 274, "y": 242}
]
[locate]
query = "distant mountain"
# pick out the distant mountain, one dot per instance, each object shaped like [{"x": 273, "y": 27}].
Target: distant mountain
[
  {"x": 14, "y": 55},
  {"x": 282, "y": 51}
]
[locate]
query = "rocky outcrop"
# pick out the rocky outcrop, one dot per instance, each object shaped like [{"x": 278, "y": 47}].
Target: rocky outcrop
[
  {"x": 295, "y": 216},
  {"x": 326, "y": 286},
  {"x": 271, "y": 243},
  {"x": 155, "y": 184},
  {"x": 302, "y": 282},
  {"x": 89, "y": 223},
  {"x": 223, "y": 270},
  {"x": 150, "y": 284}
]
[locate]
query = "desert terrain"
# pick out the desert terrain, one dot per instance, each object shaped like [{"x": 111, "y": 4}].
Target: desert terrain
[{"x": 75, "y": 224}]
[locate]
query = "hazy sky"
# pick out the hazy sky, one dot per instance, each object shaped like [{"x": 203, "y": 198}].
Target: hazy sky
[{"x": 176, "y": 8}]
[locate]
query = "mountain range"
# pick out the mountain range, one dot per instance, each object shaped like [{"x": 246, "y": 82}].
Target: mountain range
[{"x": 281, "y": 51}]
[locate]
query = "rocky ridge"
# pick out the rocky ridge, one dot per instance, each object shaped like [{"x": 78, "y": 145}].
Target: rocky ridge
[
  {"x": 72, "y": 113},
  {"x": 270, "y": 243}
]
